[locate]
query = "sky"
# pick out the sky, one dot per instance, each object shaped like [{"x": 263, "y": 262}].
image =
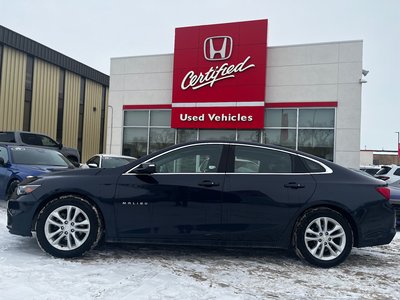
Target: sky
[{"x": 93, "y": 31}]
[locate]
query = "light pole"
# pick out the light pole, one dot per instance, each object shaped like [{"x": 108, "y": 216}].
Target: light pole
[{"x": 111, "y": 127}]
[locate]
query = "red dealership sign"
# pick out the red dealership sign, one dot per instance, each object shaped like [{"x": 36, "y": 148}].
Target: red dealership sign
[{"x": 219, "y": 76}]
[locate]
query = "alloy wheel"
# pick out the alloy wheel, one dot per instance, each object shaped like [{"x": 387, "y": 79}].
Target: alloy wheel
[
  {"x": 325, "y": 238},
  {"x": 67, "y": 227}
]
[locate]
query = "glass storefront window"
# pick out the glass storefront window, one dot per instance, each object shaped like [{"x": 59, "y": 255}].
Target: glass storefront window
[
  {"x": 280, "y": 118},
  {"x": 136, "y": 118},
  {"x": 281, "y": 137},
  {"x": 249, "y": 135},
  {"x": 135, "y": 142},
  {"x": 324, "y": 118},
  {"x": 186, "y": 135},
  {"x": 161, "y": 138},
  {"x": 160, "y": 118},
  {"x": 318, "y": 142},
  {"x": 211, "y": 134},
  {"x": 306, "y": 129}
]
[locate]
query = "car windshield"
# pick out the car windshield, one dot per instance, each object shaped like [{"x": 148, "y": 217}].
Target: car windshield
[
  {"x": 383, "y": 171},
  {"x": 37, "y": 156},
  {"x": 113, "y": 162}
]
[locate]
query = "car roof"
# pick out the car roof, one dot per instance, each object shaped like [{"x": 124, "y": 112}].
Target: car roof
[{"x": 9, "y": 145}]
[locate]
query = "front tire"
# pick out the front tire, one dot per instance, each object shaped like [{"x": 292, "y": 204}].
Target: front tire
[
  {"x": 323, "y": 237},
  {"x": 68, "y": 227}
]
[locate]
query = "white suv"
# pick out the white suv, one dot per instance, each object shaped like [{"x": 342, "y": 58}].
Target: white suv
[{"x": 391, "y": 174}]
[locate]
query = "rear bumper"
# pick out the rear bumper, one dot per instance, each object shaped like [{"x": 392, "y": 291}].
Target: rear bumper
[{"x": 377, "y": 227}]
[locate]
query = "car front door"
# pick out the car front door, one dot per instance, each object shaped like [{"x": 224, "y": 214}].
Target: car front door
[
  {"x": 181, "y": 200},
  {"x": 262, "y": 193}
]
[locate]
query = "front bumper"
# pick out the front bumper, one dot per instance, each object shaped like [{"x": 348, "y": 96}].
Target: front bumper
[{"x": 20, "y": 213}]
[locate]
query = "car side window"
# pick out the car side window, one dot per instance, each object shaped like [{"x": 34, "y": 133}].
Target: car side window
[
  {"x": 48, "y": 142},
  {"x": 397, "y": 172},
  {"x": 261, "y": 160},
  {"x": 193, "y": 159},
  {"x": 31, "y": 139},
  {"x": 4, "y": 154},
  {"x": 313, "y": 167}
]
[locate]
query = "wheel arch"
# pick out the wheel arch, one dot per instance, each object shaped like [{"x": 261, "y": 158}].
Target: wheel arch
[
  {"x": 338, "y": 209},
  {"x": 14, "y": 178},
  {"x": 57, "y": 196}
]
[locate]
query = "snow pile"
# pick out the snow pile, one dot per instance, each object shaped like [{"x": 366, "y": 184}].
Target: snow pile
[{"x": 156, "y": 272}]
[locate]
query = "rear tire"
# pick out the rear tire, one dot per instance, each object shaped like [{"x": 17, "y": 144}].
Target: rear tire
[
  {"x": 323, "y": 237},
  {"x": 68, "y": 227}
]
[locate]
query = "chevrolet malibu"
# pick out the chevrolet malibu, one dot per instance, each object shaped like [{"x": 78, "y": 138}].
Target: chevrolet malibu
[{"x": 209, "y": 193}]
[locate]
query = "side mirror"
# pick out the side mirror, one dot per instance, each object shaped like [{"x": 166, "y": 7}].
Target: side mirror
[
  {"x": 60, "y": 146},
  {"x": 2, "y": 162},
  {"x": 145, "y": 168},
  {"x": 93, "y": 165}
]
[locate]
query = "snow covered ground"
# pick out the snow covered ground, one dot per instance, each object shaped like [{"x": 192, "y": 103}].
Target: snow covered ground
[{"x": 133, "y": 272}]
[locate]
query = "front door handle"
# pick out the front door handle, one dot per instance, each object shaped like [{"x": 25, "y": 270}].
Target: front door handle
[
  {"x": 208, "y": 183},
  {"x": 294, "y": 185}
]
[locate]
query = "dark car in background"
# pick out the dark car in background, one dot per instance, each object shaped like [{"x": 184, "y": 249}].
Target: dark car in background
[
  {"x": 39, "y": 140},
  {"x": 200, "y": 194},
  {"x": 19, "y": 162}
]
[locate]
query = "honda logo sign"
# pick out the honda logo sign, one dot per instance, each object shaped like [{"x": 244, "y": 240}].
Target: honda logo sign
[
  {"x": 219, "y": 78},
  {"x": 225, "y": 45}
]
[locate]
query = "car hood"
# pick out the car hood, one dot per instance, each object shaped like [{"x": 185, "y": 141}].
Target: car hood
[
  {"x": 74, "y": 172},
  {"x": 35, "y": 170}
]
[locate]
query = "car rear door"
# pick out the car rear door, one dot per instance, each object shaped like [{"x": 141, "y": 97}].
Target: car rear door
[
  {"x": 180, "y": 201},
  {"x": 262, "y": 198}
]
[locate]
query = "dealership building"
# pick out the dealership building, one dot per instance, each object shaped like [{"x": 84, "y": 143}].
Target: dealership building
[{"x": 224, "y": 82}]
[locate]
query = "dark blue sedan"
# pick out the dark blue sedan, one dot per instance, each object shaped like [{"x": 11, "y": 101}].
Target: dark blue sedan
[
  {"x": 19, "y": 162},
  {"x": 209, "y": 193}
]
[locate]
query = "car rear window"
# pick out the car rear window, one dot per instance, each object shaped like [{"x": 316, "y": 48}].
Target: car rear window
[
  {"x": 383, "y": 170},
  {"x": 8, "y": 137}
]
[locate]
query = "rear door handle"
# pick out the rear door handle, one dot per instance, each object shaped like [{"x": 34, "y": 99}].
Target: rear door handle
[
  {"x": 294, "y": 185},
  {"x": 208, "y": 183}
]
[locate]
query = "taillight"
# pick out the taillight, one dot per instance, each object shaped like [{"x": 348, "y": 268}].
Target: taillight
[
  {"x": 384, "y": 191},
  {"x": 382, "y": 177}
]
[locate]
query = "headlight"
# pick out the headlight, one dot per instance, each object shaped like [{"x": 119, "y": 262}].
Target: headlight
[{"x": 26, "y": 189}]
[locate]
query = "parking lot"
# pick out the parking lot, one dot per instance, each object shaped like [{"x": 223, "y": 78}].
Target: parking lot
[{"x": 154, "y": 272}]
